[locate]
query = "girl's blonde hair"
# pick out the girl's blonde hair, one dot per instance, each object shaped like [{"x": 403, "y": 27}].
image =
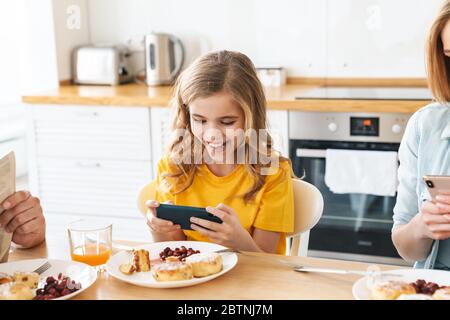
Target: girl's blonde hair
[
  {"x": 222, "y": 71},
  {"x": 438, "y": 64}
]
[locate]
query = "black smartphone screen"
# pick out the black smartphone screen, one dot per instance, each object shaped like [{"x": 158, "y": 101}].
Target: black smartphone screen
[{"x": 182, "y": 214}]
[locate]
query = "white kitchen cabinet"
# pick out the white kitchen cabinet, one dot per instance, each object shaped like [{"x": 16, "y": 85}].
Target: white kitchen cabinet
[
  {"x": 91, "y": 187},
  {"x": 278, "y": 128},
  {"x": 90, "y": 161},
  {"x": 92, "y": 132}
]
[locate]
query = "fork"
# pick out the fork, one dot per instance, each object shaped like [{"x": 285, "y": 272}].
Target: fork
[{"x": 43, "y": 268}]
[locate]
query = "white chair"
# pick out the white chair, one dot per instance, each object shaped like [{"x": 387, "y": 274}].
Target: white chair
[
  {"x": 308, "y": 207},
  {"x": 147, "y": 192}
]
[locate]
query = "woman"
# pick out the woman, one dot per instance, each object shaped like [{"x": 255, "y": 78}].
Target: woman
[{"x": 421, "y": 230}]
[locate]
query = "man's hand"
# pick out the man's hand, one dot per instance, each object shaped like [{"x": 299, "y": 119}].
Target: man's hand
[{"x": 23, "y": 217}]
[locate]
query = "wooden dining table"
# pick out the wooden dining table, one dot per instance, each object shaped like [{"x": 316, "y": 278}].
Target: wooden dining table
[{"x": 255, "y": 277}]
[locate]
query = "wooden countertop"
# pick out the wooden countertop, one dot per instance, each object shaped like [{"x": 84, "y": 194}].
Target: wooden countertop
[
  {"x": 262, "y": 279},
  {"x": 281, "y": 98}
]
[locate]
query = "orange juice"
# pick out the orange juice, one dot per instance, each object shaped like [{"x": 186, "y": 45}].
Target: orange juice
[{"x": 92, "y": 254}]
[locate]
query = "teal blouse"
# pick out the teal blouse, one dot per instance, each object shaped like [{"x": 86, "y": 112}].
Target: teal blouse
[{"x": 424, "y": 150}]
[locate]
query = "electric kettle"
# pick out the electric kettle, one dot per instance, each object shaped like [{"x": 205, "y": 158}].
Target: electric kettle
[{"x": 164, "y": 57}]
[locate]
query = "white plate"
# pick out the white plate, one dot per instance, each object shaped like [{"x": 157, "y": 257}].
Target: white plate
[
  {"x": 145, "y": 279},
  {"x": 362, "y": 288},
  {"x": 77, "y": 271}
]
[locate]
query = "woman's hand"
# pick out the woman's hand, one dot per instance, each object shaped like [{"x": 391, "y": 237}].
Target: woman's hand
[
  {"x": 434, "y": 218},
  {"x": 162, "y": 230},
  {"x": 230, "y": 233},
  {"x": 23, "y": 217}
]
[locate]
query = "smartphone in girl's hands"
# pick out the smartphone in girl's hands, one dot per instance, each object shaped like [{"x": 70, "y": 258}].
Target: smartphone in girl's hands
[{"x": 182, "y": 214}]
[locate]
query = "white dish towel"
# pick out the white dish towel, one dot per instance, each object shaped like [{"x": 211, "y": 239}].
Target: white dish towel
[{"x": 358, "y": 171}]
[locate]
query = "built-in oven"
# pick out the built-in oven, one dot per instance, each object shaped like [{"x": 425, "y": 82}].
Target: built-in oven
[{"x": 353, "y": 226}]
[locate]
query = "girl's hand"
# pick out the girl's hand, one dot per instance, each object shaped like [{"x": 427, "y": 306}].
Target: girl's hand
[
  {"x": 434, "y": 218},
  {"x": 161, "y": 226},
  {"x": 230, "y": 233}
]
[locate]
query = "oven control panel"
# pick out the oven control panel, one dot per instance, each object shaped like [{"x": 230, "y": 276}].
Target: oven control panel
[
  {"x": 365, "y": 126},
  {"x": 347, "y": 126}
]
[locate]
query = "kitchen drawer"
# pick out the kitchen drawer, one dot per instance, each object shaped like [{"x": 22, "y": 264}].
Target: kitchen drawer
[
  {"x": 92, "y": 132},
  {"x": 91, "y": 187}
]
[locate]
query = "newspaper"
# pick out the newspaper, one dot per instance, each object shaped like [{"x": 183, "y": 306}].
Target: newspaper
[{"x": 7, "y": 188}]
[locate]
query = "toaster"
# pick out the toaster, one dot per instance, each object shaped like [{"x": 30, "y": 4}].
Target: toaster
[{"x": 101, "y": 64}]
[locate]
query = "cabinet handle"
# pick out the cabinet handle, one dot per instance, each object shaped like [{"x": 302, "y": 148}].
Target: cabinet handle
[
  {"x": 87, "y": 113},
  {"x": 82, "y": 164},
  {"x": 310, "y": 153}
]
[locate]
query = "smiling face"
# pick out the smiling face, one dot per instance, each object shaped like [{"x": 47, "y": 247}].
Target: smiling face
[
  {"x": 445, "y": 37},
  {"x": 215, "y": 120}
]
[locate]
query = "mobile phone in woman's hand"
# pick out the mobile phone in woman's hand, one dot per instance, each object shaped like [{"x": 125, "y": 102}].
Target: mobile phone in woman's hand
[{"x": 437, "y": 185}]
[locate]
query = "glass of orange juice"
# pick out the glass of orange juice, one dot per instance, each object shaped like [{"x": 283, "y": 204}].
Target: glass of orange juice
[{"x": 90, "y": 242}]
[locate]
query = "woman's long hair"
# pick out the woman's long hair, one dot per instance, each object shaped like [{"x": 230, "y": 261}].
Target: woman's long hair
[{"x": 438, "y": 64}]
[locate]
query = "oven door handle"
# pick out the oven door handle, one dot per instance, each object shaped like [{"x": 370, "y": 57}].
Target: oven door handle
[{"x": 311, "y": 153}]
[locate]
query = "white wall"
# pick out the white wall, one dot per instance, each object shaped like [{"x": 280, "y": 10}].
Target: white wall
[
  {"x": 38, "y": 53},
  {"x": 270, "y": 32},
  {"x": 27, "y": 58},
  {"x": 384, "y": 37},
  {"x": 27, "y": 64},
  {"x": 336, "y": 38},
  {"x": 9, "y": 79}
]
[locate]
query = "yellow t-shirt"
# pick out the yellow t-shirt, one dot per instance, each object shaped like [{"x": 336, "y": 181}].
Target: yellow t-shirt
[{"x": 272, "y": 209}]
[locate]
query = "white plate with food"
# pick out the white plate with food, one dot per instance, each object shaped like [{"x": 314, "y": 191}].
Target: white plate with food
[
  {"x": 404, "y": 284},
  {"x": 68, "y": 278},
  {"x": 161, "y": 265}
]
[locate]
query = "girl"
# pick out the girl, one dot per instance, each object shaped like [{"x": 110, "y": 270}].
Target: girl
[
  {"x": 422, "y": 228},
  {"x": 215, "y": 161}
]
